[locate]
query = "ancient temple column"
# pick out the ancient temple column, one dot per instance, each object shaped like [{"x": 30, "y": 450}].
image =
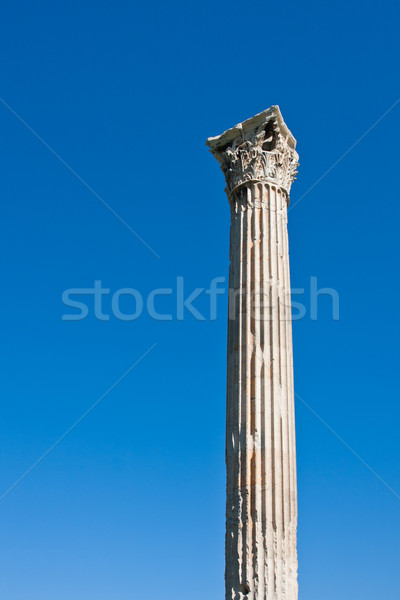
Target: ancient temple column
[{"x": 259, "y": 161}]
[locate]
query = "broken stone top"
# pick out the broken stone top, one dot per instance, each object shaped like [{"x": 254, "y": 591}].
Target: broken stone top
[{"x": 261, "y": 149}]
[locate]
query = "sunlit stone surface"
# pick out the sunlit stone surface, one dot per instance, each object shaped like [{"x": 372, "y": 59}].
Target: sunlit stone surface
[{"x": 259, "y": 161}]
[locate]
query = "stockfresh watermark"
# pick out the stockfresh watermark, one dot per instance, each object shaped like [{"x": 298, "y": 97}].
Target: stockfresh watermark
[{"x": 176, "y": 303}]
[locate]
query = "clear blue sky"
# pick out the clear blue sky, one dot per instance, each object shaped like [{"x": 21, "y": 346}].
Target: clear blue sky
[{"x": 130, "y": 505}]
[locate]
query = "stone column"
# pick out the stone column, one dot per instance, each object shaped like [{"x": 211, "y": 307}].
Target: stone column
[{"x": 259, "y": 161}]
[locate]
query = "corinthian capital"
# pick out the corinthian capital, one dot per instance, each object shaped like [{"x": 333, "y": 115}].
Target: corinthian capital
[{"x": 259, "y": 149}]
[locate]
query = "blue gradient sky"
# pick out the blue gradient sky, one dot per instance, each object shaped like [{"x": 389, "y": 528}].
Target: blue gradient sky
[{"x": 130, "y": 505}]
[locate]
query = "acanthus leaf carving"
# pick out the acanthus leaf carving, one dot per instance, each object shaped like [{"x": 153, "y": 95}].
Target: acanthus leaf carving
[{"x": 263, "y": 154}]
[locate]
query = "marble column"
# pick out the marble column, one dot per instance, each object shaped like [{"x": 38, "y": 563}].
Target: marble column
[{"x": 259, "y": 161}]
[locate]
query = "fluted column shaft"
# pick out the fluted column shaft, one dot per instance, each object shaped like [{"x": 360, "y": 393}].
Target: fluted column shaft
[{"x": 261, "y": 558}]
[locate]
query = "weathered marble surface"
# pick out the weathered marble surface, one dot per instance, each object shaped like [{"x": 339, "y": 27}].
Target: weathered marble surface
[{"x": 259, "y": 161}]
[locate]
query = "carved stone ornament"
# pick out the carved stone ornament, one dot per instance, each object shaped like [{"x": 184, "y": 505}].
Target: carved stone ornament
[{"x": 260, "y": 149}]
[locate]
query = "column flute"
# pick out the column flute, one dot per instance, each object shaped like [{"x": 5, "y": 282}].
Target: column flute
[{"x": 259, "y": 161}]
